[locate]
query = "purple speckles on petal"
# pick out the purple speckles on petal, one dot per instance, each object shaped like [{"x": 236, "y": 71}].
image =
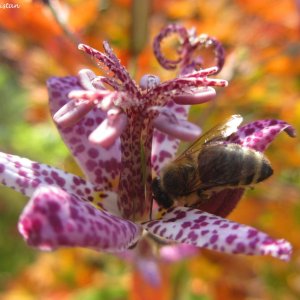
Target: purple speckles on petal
[
  {"x": 36, "y": 225},
  {"x": 213, "y": 238},
  {"x": 89, "y": 122},
  {"x": 252, "y": 233},
  {"x": 79, "y": 149},
  {"x": 22, "y": 174},
  {"x": 235, "y": 226},
  {"x": 74, "y": 213},
  {"x": 180, "y": 215},
  {"x": 249, "y": 131},
  {"x": 179, "y": 235},
  {"x": 90, "y": 165},
  {"x": 163, "y": 155},
  {"x": 212, "y": 234},
  {"x": 55, "y": 223},
  {"x": 259, "y": 134},
  {"x": 186, "y": 224},
  {"x": 53, "y": 206},
  {"x": 58, "y": 213},
  {"x": 2, "y": 168},
  {"x": 230, "y": 238},
  {"x": 204, "y": 232},
  {"x": 90, "y": 210},
  {"x": 201, "y": 219},
  {"x": 35, "y": 166},
  {"x": 93, "y": 153},
  {"x": 192, "y": 236},
  {"x": 58, "y": 180},
  {"x": 49, "y": 180},
  {"x": 240, "y": 248}
]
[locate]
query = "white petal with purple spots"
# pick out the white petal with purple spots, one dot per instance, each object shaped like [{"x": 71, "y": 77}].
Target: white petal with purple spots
[
  {"x": 25, "y": 175},
  {"x": 259, "y": 134},
  {"x": 198, "y": 228},
  {"x": 164, "y": 146},
  {"x": 100, "y": 165},
  {"x": 53, "y": 218}
]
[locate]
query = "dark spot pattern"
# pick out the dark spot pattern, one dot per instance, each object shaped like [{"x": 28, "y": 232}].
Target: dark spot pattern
[
  {"x": 87, "y": 155},
  {"x": 21, "y": 174},
  {"x": 210, "y": 232},
  {"x": 54, "y": 218},
  {"x": 259, "y": 134}
]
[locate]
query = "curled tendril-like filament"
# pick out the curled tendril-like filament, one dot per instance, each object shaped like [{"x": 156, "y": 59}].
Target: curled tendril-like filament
[{"x": 189, "y": 43}]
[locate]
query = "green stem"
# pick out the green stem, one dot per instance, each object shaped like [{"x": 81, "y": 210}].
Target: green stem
[{"x": 179, "y": 282}]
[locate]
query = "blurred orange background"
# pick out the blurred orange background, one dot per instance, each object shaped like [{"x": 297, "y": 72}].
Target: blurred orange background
[{"x": 261, "y": 38}]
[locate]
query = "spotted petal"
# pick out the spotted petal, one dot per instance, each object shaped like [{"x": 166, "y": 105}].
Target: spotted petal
[
  {"x": 198, "y": 228},
  {"x": 54, "y": 218},
  {"x": 164, "y": 146},
  {"x": 100, "y": 165},
  {"x": 259, "y": 134},
  {"x": 25, "y": 175}
]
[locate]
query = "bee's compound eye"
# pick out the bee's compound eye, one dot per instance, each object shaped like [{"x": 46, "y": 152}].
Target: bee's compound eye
[
  {"x": 162, "y": 198},
  {"x": 155, "y": 185}
]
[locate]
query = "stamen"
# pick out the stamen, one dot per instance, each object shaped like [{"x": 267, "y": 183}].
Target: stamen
[
  {"x": 72, "y": 112},
  {"x": 85, "y": 78},
  {"x": 108, "y": 102},
  {"x": 98, "y": 82},
  {"x": 110, "y": 129},
  {"x": 178, "y": 128},
  {"x": 196, "y": 96},
  {"x": 95, "y": 96},
  {"x": 203, "y": 72}
]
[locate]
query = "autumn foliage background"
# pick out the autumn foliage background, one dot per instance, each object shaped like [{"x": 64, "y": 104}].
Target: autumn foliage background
[{"x": 263, "y": 68}]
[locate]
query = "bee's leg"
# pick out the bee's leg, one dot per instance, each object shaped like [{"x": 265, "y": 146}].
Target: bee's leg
[
  {"x": 133, "y": 246},
  {"x": 204, "y": 195},
  {"x": 187, "y": 201},
  {"x": 151, "y": 207}
]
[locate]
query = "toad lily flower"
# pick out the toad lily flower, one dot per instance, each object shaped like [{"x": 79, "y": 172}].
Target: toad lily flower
[{"x": 121, "y": 133}]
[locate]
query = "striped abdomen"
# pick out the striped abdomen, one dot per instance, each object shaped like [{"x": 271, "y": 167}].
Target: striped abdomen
[{"x": 231, "y": 165}]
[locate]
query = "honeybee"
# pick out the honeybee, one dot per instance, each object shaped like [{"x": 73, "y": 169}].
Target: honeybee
[{"x": 209, "y": 165}]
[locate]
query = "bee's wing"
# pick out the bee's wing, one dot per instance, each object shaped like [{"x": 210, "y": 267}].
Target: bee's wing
[{"x": 219, "y": 132}]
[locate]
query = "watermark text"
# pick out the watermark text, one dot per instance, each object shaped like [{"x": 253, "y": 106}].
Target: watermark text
[{"x": 9, "y": 5}]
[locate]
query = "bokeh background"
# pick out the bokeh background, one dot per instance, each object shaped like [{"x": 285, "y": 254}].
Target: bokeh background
[{"x": 261, "y": 38}]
